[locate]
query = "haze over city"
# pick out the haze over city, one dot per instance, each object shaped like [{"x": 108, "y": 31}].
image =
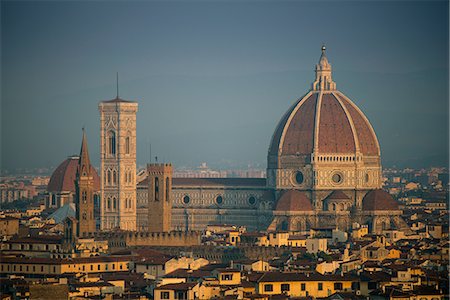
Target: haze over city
[
  {"x": 213, "y": 79},
  {"x": 245, "y": 150}
]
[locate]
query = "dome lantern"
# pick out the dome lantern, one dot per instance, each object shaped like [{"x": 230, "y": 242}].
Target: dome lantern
[{"x": 323, "y": 81}]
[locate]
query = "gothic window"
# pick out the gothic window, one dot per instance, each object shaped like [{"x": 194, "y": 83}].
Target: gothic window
[
  {"x": 284, "y": 225},
  {"x": 114, "y": 177},
  {"x": 127, "y": 145},
  {"x": 84, "y": 216},
  {"x": 156, "y": 189},
  {"x": 114, "y": 203},
  {"x": 167, "y": 189},
  {"x": 112, "y": 142},
  {"x": 109, "y": 203},
  {"x": 109, "y": 177},
  {"x": 84, "y": 196}
]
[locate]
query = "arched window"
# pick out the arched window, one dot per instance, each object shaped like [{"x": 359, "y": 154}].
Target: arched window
[
  {"x": 114, "y": 203},
  {"x": 127, "y": 145},
  {"x": 167, "y": 189},
  {"x": 84, "y": 196},
  {"x": 156, "y": 189},
  {"x": 114, "y": 177},
  {"x": 109, "y": 203},
  {"x": 112, "y": 142},
  {"x": 109, "y": 177}
]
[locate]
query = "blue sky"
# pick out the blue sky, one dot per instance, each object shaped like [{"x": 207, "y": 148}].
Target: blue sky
[{"x": 213, "y": 78}]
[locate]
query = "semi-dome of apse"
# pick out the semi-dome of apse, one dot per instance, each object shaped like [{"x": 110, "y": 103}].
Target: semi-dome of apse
[{"x": 292, "y": 201}]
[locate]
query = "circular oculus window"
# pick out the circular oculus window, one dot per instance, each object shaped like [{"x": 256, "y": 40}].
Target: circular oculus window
[
  {"x": 186, "y": 199},
  {"x": 252, "y": 200},
  {"x": 337, "y": 178},
  {"x": 219, "y": 200},
  {"x": 299, "y": 178}
]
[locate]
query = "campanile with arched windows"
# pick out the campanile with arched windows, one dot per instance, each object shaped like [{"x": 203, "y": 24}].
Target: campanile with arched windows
[
  {"x": 118, "y": 164},
  {"x": 159, "y": 197}
]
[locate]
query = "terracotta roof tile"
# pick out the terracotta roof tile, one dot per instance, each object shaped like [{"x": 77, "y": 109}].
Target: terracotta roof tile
[
  {"x": 299, "y": 137},
  {"x": 368, "y": 143},
  {"x": 335, "y": 133},
  {"x": 378, "y": 200},
  {"x": 63, "y": 178},
  {"x": 293, "y": 200},
  {"x": 337, "y": 195}
]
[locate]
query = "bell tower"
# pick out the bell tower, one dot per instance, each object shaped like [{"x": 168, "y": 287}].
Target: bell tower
[
  {"x": 84, "y": 190},
  {"x": 159, "y": 197},
  {"x": 118, "y": 164}
]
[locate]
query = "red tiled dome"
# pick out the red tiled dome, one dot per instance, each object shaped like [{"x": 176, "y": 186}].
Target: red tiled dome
[
  {"x": 379, "y": 200},
  {"x": 293, "y": 200},
  {"x": 341, "y": 127},
  {"x": 63, "y": 178}
]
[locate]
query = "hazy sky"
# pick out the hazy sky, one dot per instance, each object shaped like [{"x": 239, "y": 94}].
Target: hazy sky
[{"x": 213, "y": 78}]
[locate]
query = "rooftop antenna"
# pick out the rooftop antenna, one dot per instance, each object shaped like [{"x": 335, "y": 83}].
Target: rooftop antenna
[{"x": 117, "y": 85}]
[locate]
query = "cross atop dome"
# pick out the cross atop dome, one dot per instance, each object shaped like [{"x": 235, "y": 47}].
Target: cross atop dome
[{"x": 323, "y": 81}]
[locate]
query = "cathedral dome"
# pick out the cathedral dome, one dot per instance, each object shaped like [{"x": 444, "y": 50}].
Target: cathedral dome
[
  {"x": 293, "y": 200},
  {"x": 324, "y": 121},
  {"x": 378, "y": 200},
  {"x": 63, "y": 178}
]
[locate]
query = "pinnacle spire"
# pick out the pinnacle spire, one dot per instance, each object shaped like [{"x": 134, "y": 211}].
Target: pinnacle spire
[
  {"x": 323, "y": 81},
  {"x": 84, "y": 162}
]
